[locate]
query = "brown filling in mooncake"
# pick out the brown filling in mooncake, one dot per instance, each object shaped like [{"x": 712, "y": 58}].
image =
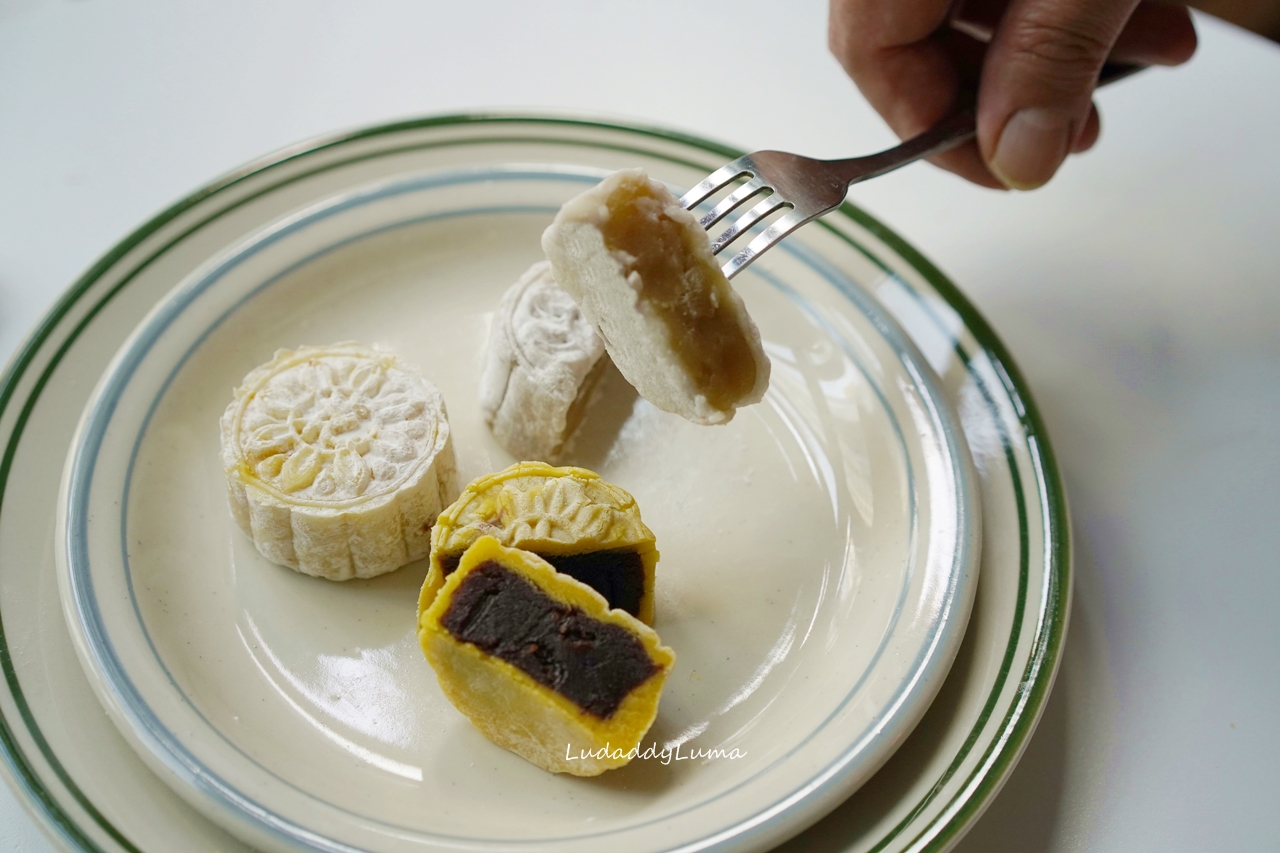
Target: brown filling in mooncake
[
  {"x": 594, "y": 664},
  {"x": 539, "y": 663},
  {"x": 617, "y": 574}
]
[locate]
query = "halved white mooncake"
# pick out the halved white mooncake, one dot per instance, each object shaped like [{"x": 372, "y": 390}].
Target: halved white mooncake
[
  {"x": 540, "y": 663},
  {"x": 338, "y": 460},
  {"x": 640, "y": 267},
  {"x": 543, "y": 361}
]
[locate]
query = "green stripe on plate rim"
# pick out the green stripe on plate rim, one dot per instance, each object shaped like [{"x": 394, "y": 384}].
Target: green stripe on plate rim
[
  {"x": 1053, "y": 617},
  {"x": 1046, "y": 648}
]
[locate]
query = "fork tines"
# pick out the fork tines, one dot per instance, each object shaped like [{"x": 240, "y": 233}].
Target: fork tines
[
  {"x": 754, "y": 186},
  {"x": 716, "y": 181}
]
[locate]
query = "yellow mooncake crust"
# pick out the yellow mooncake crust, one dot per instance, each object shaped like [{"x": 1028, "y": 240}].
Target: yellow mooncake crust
[
  {"x": 517, "y": 712},
  {"x": 550, "y": 511}
]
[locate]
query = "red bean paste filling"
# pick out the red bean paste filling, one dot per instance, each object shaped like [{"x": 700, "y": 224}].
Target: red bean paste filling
[
  {"x": 618, "y": 574},
  {"x": 591, "y": 663}
]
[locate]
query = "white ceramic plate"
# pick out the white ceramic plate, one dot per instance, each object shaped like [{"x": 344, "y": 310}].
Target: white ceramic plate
[
  {"x": 923, "y": 798},
  {"x": 819, "y": 553}
]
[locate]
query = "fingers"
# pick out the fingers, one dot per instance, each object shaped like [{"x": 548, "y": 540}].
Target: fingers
[
  {"x": 1038, "y": 79},
  {"x": 1089, "y": 135},
  {"x": 966, "y": 161},
  {"x": 860, "y": 28},
  {"x": 1037, "y": 76},
  {"x": 1034, "y": 99},
  {"x": 909, "y": 67},
  {"x": 885, "y": 46},
  {"x": 1156, "y": 34}
]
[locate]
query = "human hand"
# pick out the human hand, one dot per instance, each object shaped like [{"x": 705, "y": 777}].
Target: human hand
[{"x": 1034, "y": 79}]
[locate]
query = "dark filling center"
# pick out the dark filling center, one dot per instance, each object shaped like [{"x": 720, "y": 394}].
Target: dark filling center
[
  {"x": 593, "y": 664},
  {"x": 618, "y": 575}
]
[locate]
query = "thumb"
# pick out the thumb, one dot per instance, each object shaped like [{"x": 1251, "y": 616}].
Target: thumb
[{"x": 1037, "y": 82}]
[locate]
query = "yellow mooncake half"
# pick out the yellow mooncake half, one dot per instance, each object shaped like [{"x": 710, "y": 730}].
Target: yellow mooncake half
[
  {"x": 585, "y": 527},
  {"x": 541, "y": 664}
]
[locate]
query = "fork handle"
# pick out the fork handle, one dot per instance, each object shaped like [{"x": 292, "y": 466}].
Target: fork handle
[{"x": 954, "y": 130}]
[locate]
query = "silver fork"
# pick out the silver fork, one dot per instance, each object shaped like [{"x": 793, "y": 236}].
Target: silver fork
[{"x": 811, "y": 187}]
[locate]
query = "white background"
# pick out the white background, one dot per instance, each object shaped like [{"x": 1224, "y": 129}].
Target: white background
[{"x": 1139, "y": 292}]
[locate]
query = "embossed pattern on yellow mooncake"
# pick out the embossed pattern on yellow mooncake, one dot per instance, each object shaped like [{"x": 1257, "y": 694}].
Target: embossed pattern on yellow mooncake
[{"x": 571, "y": 517}]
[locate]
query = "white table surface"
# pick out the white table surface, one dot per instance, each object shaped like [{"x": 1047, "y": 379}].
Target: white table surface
[{"x": 1139, "y": 292}]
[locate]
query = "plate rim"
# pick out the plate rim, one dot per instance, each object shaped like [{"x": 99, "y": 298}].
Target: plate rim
[{"x": 984, "y": 781}]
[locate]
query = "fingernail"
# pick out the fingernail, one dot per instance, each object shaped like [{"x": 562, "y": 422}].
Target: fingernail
[{"x": 1031, "y": 147}]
